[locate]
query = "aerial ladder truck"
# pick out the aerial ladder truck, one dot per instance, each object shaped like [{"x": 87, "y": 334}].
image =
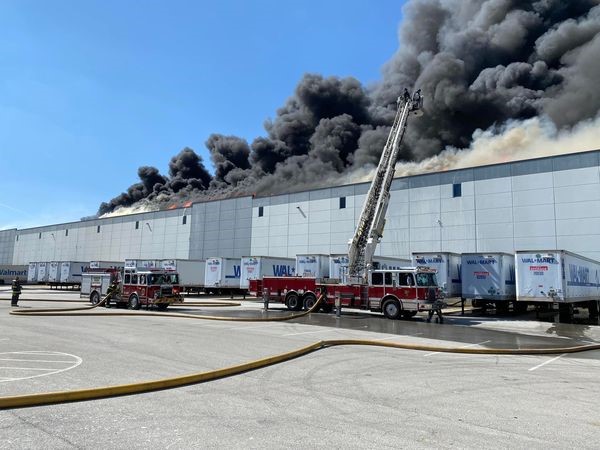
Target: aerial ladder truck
[{"x": 397, "y": 293}]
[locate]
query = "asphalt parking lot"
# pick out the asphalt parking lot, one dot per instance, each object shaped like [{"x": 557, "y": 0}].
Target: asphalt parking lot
[{"x": 342, "y": 397}]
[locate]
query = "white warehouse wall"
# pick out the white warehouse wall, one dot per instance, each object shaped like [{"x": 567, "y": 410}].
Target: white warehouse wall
[
  {"x": 159, "y": 235},
  {"x": 7, "y": 245},
  {"x": 547, "y": 203}
]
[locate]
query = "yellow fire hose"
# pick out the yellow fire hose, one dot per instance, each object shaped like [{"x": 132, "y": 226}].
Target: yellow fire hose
[
  {"x": 70, "y": 311},
  {"x": 30, "y": 400}
]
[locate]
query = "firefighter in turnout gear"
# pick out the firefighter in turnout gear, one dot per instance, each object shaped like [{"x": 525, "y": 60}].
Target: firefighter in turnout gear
[
  {"x": 112, "y": 291},
  {"x": 16, "y": 291}
]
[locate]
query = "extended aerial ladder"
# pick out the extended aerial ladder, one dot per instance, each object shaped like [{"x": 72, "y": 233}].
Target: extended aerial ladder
[{"x": 372, "y": 219}]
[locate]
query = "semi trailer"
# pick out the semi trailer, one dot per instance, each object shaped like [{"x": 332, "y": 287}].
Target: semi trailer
[
  {"x": 448, "y": 270},
  {"x": 548, "y": 277},
  {"x": 488, "y": 279},
  {"x": 192, "y": 273},
  {"x": 254, "y": 267},
  {"x": 222, "y": 275},
  {"x": 312, "y": 265}
]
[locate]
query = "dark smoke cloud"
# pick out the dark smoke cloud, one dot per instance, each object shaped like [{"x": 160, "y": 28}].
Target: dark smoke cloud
[{"x": 479, "y": 64}]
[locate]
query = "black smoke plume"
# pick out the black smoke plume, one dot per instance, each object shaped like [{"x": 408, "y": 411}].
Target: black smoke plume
[{"x": 479, "y": 64}]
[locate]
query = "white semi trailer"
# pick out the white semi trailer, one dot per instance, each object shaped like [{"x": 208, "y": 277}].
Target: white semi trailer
[
  {"x": 222, "y": 274},
  {"x": 72, "y": 271},
  {"x": 42, "y": 273},
  {"x": 257, "y": 267},
  {"x": 53, "y": 268},
  {"x": 489, "y": 279},
  {"x": 558, "y": 276},
  {"x": 312, "y": 265},
  {"x": 32, "y": 272},
  {"x": 192, "y": 273},
  {"x": 448, "y": 270}
]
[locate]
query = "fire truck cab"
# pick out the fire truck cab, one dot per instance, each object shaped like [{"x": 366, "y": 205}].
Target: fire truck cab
[{"x": 403, "y": 292}]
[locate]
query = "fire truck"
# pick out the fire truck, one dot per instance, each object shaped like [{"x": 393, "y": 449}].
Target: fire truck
[
  {"x": 400, "y": 293},
  {"x": 136, "y": 287},
  {"x": 396, "y": 293}
]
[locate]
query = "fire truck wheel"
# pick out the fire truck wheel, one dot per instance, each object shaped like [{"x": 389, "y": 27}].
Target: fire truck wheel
[
  {"x": 309, "y": 301},
  {"x": 95, "y": 298},
  {"x": 134, "y": 302},
  {"x": 392, "y": 309},
  {"x": 293, "y": 302},
  {"x": 408, "y": 314}
]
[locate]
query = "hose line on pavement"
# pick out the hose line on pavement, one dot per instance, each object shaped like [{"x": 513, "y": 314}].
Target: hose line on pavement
[{"x": 50, "y": 398}]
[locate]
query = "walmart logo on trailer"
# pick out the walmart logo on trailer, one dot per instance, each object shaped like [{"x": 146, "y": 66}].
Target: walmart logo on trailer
[
  {"x": 482, "y": 261},
  {"x": 237, "y": 270},
  {"x": 281, "y": 270},
  {"x": 540, "y": 260}
]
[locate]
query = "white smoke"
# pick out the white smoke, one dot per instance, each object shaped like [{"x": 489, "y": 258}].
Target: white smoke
[
  {"x": 140, "y": 207},
  {"x": 516, "y": 140}
]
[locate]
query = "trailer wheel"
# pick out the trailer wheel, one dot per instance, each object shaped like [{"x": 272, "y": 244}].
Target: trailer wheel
[
  {"x": 162, "y": 306},
  {"x": 392, "y": 309},
  {"x": 293, "y": 302},
  {"x": 95, "y": 298},
  {"x": 134, "y": 302},
  {"x": 309, "y": 301}
]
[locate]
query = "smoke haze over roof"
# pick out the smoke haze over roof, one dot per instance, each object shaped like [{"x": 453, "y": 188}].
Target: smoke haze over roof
[{"x": 490, "y": 71}]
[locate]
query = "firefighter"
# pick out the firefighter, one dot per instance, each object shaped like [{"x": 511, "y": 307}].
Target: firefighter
[
  {"x": 16, "y": 291},
  {"x": 406, "y": 95},
  {"x": 112, "y": 290},
  {"x": 436, "y": 308}
]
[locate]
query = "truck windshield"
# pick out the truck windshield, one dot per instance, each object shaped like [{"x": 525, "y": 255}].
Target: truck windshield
[
  {"x": 163, "y": 278},
  {"x": 426, "y": 279}
]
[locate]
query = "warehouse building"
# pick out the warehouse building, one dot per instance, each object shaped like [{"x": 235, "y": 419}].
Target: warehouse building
[{"x": 544, "y": 203}]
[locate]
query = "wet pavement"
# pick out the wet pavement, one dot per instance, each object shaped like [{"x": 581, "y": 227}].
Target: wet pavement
[{"x": 525, "y": 330}]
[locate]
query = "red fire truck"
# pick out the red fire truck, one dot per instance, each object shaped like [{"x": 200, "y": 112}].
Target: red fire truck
[
  {"x": 137, "y": 287},
  {"x": 396, "y": 293}
]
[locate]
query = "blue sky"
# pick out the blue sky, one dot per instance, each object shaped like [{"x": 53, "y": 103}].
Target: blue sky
[{"x": 90, "y": 90}]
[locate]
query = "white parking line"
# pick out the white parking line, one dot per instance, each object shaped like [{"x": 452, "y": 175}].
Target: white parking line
[
  {"x": 36, "y": 360},
  {"x": 42, "y": 372},
  {"x": 464, "y": 346},
  {"x": 546, "y": 362}
]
